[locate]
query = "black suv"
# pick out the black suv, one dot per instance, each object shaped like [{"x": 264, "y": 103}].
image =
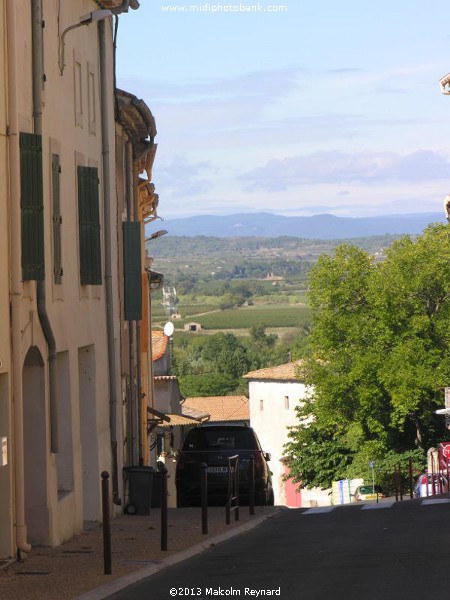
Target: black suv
[{"x": 213, "y": 445}]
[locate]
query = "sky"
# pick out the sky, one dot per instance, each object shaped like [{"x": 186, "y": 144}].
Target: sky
[{"x": 297, "y": 108}]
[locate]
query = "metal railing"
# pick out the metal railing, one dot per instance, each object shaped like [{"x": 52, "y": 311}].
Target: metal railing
[
  {"x": 233, "y": 489},
  {"x": 251, "y": 490}
]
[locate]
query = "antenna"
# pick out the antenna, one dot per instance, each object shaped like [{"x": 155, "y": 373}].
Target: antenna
[{"x": 170, "y": 301}]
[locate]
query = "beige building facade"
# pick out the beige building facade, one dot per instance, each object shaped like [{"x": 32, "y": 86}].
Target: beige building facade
[
  {"x": 61, "y": 369},
  {"x": 6, "y": 489},
  {"x": 274, "y": 395}
]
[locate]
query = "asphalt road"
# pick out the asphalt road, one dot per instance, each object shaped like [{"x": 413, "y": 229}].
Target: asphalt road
[{"x": 398, "y": 551}]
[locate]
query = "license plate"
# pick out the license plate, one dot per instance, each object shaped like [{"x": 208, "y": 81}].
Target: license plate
[{"x": 217, "y": 469}]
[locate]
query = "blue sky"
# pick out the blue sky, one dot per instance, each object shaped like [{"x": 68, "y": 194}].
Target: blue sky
[{"x": 324, "y": 107}]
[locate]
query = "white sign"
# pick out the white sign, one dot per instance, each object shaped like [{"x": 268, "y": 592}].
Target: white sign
[
  {"x": 447, "y": 397},
  {"x": 4, "y": 452}
]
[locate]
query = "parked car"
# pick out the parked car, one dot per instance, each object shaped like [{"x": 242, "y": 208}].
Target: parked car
[
  {"x": 368, "y": 492},
  {"x": 420, "y": 489},
  {"x": 213, "y": 445}
]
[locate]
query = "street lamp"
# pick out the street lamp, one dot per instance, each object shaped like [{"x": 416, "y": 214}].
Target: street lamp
[
  {"x": 447, "y": 207},
  {"x": 445, "y": 84},
  {"x": 96, "y": 15},
  {"x": 156, "y": 234}
]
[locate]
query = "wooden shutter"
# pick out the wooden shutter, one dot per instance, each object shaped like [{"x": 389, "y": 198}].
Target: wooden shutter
[
  {"x": 132, "y": 270},
  {"x": 89, "y": 226},
  {"x": 57, "y": 221},
  {"x": 32, "y": 206}
]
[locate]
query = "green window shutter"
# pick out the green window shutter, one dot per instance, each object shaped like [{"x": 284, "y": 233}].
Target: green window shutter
[
  {"x": 32, "y": 206},
  {"x": 132, "y": 270},
  {"x": 57, "y": 221},
  {"x": 89, "y": 226}
]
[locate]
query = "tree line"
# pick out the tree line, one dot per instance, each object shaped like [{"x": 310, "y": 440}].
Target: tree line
[
  {"x": 378, "y": 359},
  {"x": 214, "y": 365}
]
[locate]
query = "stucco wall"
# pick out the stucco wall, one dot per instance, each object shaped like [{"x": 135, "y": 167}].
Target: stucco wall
[
  {"x": 6, "y": 505},
  {"x": 71, "y": 128},
  {"x": 4, "y": 283},
  {"x": 272, "y": 422}
]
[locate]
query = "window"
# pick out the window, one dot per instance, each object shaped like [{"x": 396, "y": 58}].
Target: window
[
  {"x": 57, "y": 221},
  {"x": 32, "y": 206},
  {"x": 286, "y": 402},
  {"x": 78, "y": 92},
  {"x": 89, "y": 226},
  {"x": 132, "y": 270},
  {"x": 261, "y": 404},
  {"x": 92, "y": 117}
]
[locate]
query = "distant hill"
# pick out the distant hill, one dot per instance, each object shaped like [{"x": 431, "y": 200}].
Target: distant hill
[{"x": 324, "y": 227}]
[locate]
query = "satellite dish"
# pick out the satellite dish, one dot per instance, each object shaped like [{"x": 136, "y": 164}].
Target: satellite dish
[{"x": 169, "y": 328}]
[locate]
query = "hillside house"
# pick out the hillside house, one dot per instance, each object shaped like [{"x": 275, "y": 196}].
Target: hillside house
[{"x": 274, "y": 394}]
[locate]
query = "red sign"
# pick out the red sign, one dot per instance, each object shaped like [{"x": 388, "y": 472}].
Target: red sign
[{"x": 445, "y": 449}]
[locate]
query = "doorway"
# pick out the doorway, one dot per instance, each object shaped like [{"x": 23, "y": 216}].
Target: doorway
[{"x": 34, "y": 436}]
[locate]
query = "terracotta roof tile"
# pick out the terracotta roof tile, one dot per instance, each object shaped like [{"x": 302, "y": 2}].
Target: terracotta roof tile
[
  {"x": 179, "y": 420},
  {"x": 188, "y": 411},
  {"x": 159, "y": 344},
  {"x": 221, "y": 408},
  {"x": 286, "y": 372}
]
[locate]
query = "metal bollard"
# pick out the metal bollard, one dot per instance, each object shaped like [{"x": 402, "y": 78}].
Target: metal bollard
[
  {"x": 396, "y": 483},
  {"x": 411, "y": 479},
  {"x": 251, "y": 499},
  {"x": 163, "y": 508},
  {"x": 107, "y": 566},
  {"x": 204, "y": 495},
  {"x": 400, "y": 482}
]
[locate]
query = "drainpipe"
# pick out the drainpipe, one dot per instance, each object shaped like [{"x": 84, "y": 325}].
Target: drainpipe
[
  {"x": 138, "y": 354},
  {"x": 128, "y": 196},
  {"x": 132, "y": 342},
  {"x": 38, "y": 81},
  {"x": 23, "y": 546},
  {"x": 138, "y": 340},
  {"x": 105, "y": 113}
]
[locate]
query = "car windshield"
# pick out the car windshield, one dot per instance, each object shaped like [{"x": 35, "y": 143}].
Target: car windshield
[{"x": 219, "y": 439}]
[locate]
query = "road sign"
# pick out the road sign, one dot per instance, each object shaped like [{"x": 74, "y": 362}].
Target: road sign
[
  {"x": 447, "y": 397},
  {"x": 445, "y": 449}
]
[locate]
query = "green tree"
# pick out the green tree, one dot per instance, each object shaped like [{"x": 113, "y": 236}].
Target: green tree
[
  {"x": 226, "y": 354},
  {"x": 379, "y": 356},
  {"x": 207, "y": 384}
]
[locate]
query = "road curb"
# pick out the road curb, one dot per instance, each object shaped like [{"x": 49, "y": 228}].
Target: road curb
[{"x": 122, "y": 582}]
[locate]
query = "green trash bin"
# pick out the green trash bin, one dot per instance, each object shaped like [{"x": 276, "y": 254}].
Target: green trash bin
[{"x": 140, "y": 483}]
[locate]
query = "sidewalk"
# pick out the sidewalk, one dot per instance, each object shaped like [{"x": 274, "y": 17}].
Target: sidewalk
[{"x": 65, "y": 572}]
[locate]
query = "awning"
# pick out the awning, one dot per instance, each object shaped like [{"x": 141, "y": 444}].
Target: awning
[
  {"x": 158, "y": 417},
  {"x": 179, "y": 420},
  {"x": 168, "y": 419}
]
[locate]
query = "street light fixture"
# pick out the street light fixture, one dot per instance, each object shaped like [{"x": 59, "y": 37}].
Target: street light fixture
[
  {"x": 445, "y": 83},
  {"x": 156, "y": 234},
  {"x": 96, "y": 15},
  {"x": 447, "y": 207}
]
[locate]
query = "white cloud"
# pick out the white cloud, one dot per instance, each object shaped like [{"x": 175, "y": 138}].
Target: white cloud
[
  {"x": 182, "y": 177},
  {"x": 335, "y": 167}
]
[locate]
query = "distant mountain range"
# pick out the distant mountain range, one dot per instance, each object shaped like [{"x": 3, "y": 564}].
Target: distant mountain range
[{"x": 324, "y": 227}]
